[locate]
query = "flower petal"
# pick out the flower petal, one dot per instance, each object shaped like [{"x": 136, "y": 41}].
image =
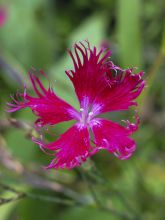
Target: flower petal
[
  {"x": 88, "y": 76},
  {"x": 71, "y": 149},
  {"x": 47, "y": 106},
  {"x": 121, "y": 91},
  {"x": 101, "y": 85},
  {"x": 114, "y": 137}
]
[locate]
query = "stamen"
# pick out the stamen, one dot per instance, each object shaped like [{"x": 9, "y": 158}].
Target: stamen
[
  {"x": 82, "y": 112},
  {"x": 90, "y": 116},
  {"x": 90, "y": 113}
]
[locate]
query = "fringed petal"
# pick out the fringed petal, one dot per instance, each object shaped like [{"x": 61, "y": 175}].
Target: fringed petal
[
  {"x": 88, "y": 76},
  {"x": 71, "y": 149},
  {"x": 47, "y": 106},
  {"x": 114, "y": 137},
  {"x": 122, "y": 89},
  {"x": 101, "y": 85}
]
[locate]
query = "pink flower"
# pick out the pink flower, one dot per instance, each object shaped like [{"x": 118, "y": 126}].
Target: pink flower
[
  {"x": 100, "y": 87},
  {"x": 3, "y": 16}
]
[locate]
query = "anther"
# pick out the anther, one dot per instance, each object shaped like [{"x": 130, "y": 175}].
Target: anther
[
  {"x": 90, "y": 113},
  {"x": 89, "y": 116},
  {"x": 82, "y": 115}
]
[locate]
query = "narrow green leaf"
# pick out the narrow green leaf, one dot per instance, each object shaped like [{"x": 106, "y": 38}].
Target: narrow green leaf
[{"x": 163, "y": 43}]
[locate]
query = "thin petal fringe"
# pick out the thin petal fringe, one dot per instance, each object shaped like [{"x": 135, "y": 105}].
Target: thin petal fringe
[
  {"x": 88, "y": 76},
  {"x": 122, "y": 89},
  {"x": 49, "y": 108},
  {"x": 114, "y": 137},
  {"x": 71, "y": 149}
]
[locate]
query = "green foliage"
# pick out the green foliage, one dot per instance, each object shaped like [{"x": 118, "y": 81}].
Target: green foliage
[
  {"x": 29, "y": 43},
  {"x": 85, "y": 213},
  {"x": 38, "y": 210},
  {"x": 23, "y": 151},
  {"x": 129, "y": 32}
]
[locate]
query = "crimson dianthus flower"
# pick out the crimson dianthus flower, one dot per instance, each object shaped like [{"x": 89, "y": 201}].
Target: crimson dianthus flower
[{"x": 100, "y": 87}]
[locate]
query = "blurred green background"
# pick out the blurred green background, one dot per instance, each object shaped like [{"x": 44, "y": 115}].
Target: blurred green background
[{"x": 38, "y": 33}]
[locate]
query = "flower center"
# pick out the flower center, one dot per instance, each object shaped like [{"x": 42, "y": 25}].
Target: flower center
[{"x": 85, "y": 116}]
